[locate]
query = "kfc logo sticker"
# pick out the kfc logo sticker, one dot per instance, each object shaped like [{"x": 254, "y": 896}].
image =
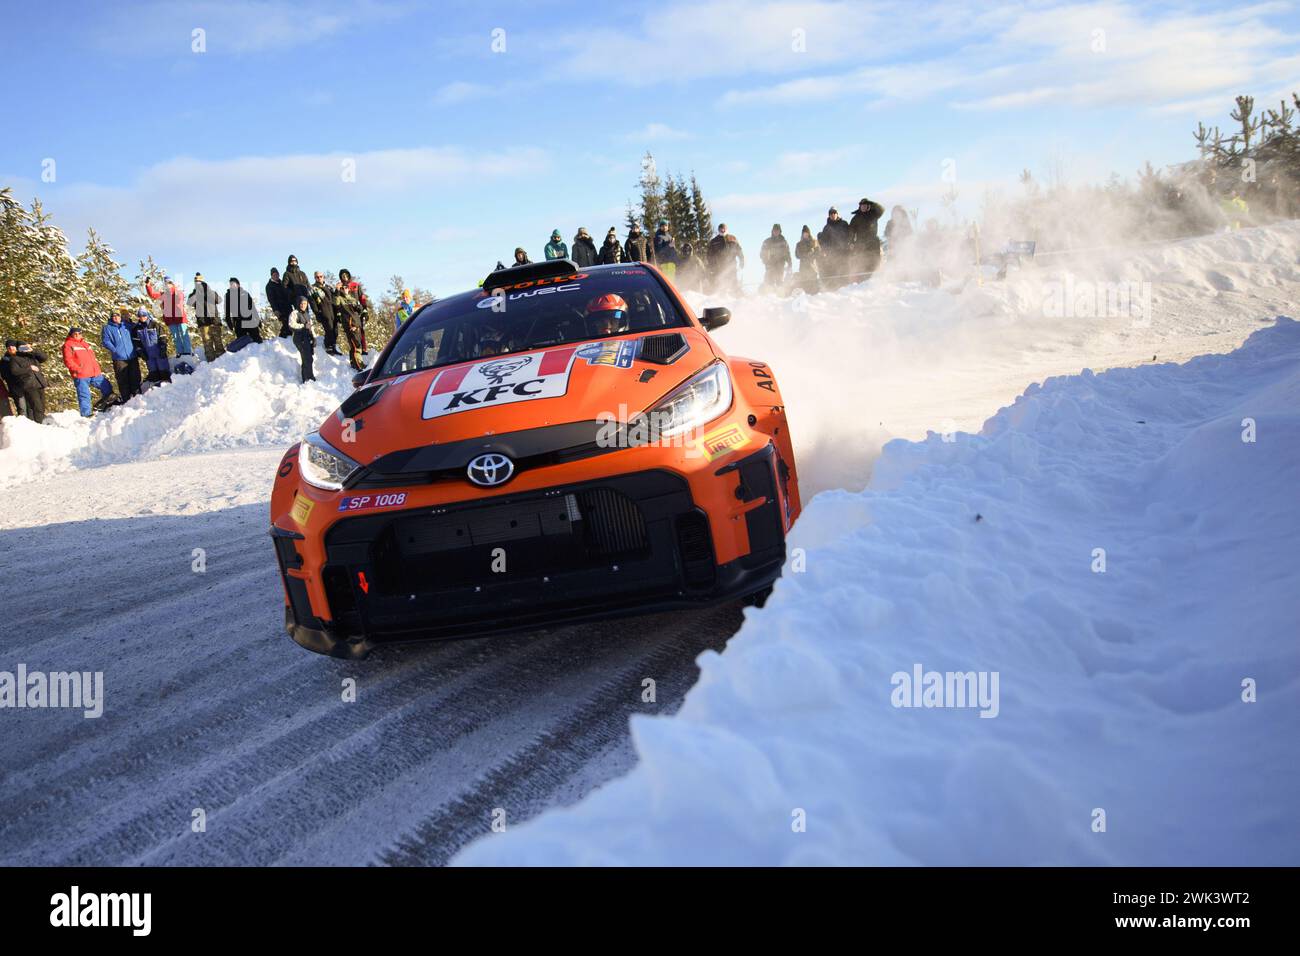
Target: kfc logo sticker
[{"x": 499, "y": 381}]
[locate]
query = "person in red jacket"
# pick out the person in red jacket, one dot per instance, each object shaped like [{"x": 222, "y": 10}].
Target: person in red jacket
[
  {"x": 173, "y": 309},
  {"x": 80, "y": 359}
]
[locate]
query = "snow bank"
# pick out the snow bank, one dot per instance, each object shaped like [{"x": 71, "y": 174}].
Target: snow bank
[
  {"x": 894, "y": 358},
  {"x": 1119, "y": 691},
  {"x": 247, "y": 398}
]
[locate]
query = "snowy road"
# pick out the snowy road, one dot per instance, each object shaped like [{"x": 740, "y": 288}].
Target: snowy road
[{"x": 209, "y": 705}]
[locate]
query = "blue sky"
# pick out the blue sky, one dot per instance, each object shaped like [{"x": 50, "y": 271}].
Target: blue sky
[{"x": 225, "y": 161}]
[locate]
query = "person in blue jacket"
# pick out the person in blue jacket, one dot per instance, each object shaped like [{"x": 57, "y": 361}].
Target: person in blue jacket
[
  {"x": 151, "y": 345},
  {"x": 125, "y": 354}
]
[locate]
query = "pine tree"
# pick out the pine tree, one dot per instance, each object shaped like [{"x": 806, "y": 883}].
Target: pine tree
[
  {"x": 700, "y": 212},
  {"x": 102, "y": 289},
  {"x": 677, "y": 210},
  {"x": 652, "y": 200},
  {"x": 629, "y": 217}
]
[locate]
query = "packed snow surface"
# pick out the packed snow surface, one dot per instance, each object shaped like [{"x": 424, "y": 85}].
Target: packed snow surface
[{"x": 1118, "y": 548}]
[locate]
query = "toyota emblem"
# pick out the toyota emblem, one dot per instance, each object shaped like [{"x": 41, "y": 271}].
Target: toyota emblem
[{"x": 489, "y": 470}]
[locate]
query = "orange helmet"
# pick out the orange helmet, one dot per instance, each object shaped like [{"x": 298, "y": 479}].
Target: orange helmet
[{"x": 608, "y": 312}]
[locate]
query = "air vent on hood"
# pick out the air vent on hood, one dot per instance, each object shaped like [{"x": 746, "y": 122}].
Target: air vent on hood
[{"x": 664, "y": 349}]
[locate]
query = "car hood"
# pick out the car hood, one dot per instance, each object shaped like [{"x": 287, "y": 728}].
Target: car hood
[{"x": 578, "y": 382}]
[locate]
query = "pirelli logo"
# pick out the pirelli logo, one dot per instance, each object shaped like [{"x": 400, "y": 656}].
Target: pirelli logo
[
  {"x": 723, "y": 441},
  {"x": 302, "y": 509}
]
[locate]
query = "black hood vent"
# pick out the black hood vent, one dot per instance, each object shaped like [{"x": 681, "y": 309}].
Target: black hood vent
[{"x": 663, "y": 349}]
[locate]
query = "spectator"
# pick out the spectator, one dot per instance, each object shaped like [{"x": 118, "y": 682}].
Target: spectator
[
  {"x": 173, "y": 309},
  {"x": 295, "y": 281},
  {"x": 347, "y": 313},
  {"x": 690, "y": 269},
  {"x": 123, "y": 352},
  {"x": 322, "y": 303},
  {"x": 5, "y": 408},
  {"x": 725, "y": 259},
  {"x": 241, "y": 313},
  {"x": 865, "y": 237},
  {"x": 775, "y": 253},
  {"x": 86, "y": 374},
  {"x": 611, "y": 252},
  {"x": 556, "y": 249},
  {"x": 897, "y": 231},
  {"x": 405, "y": 309},
  {"x": 152, "y": 346},
  {"x": 809, "y": 253},
  {"x": 304, "y": 337},
  {"x": 7, "y": 377},
  {"x": 834, "y": 240},
  {"x": 637, "y": 248},
  {"x": 28, "y": 381},
  {"x": 362, "y": 314},
  {"x": 584, "y": 249},
  {"x": 521, "y": 257},
  {"x": 665, "y": 251},
  {"x": 206, "y": 305},
  {"x": 277, "y": 297}
]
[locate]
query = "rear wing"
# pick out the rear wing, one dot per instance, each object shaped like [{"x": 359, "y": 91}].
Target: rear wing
[{"x": 512, "y": 275}]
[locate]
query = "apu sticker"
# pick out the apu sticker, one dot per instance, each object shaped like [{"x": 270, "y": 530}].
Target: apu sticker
[
  {"x": 365, "y": 502},
  {"x": 499, "y": 381},
  {"x": 618, "y": 354}
]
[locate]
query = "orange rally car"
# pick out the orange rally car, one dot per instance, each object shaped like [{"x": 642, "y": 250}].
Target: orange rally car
[{"x": 563, "y": 444}]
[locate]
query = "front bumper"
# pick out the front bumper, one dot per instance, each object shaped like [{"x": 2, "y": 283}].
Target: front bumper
[{"x": 611, "y": 546}]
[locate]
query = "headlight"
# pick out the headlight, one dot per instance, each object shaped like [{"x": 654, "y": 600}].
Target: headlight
[
  {"x": 693, "y": 403},
  {"x": 322, "y": 465}
]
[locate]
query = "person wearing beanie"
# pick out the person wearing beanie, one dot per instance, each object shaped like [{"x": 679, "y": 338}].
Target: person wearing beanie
[
  {"x": 295, "y": 281},
  {"x": 124, "y": 354},
  {"x": 809, "y": 254},
  {"x": 21, "y": 370},
  {"x": 277, "y": 297},
  {"x": 865, "y": 235},
  {"x": 556, "y": 248},
  {"x": 405, "y": 309},
  {"x": 834, "y": 239},
  {"x": 174, "y": 315},
  {"x": 775, "y": 254},
  {"x": 611, "y": 251},
  {"x": 6, "y": 383},
  {"x": 86, "y": 374},
  {"x": 665, "y": 251},
  {"x": 638, "y": 247},
  {"x": 347, "y": 313},
  {"x": 304, "y": 336},
  {"x": 206, "y": 305},
  {"x": 584, "y": 249}
]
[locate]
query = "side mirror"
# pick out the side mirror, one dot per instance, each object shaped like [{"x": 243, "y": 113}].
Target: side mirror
[
  {"x": 360, "y": 378},
  {"x": 715, "y": 318}
]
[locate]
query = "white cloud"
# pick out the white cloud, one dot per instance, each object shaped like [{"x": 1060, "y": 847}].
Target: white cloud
[
  {"x": 461, "y": 91},
  {"x": 656, "y": 133},
  {"x": 1077, "y": 54}
]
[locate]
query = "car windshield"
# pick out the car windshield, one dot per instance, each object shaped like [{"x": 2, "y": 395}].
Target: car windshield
[{"x": 533, "y": 315}]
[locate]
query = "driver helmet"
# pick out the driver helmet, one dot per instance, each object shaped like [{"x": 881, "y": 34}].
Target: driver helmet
[{"x": 607, "y": 314}]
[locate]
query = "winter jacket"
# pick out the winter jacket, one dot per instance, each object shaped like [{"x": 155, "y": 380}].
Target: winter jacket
[
  {"x": 347, "y": 306},
  {"x": 22, "y": 370},
  {"x": 173, "y": 302},
  {"x": 117, "y": 341},
  {"x": 277, "y": 297},
  {"x": 205, "y": 303},
  {"x": 295, "y": 283},
  {"x": 690, "y": 272},
  {"x": 611, "y": 252},
  {"x": 321, "y": 298},
  {"x": 300, "y": 320},
  {"x": 585, "y": 252},
  {"x": 864, "y": 225},
  {"x": 556, "y": 249},
  {"x": 775, "y": 252},
  {"x": 638, "y": 248},
  {"x": 835, "y": 237},
  {"x": 807, "y": 252},
  {"x": 149, "y": 337},
  {"x": 664, "y": 250},
  {"x": 80, "y": 359},
  {"x": 241, "y": 314},
  {"x": 724, "y": 254}
]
